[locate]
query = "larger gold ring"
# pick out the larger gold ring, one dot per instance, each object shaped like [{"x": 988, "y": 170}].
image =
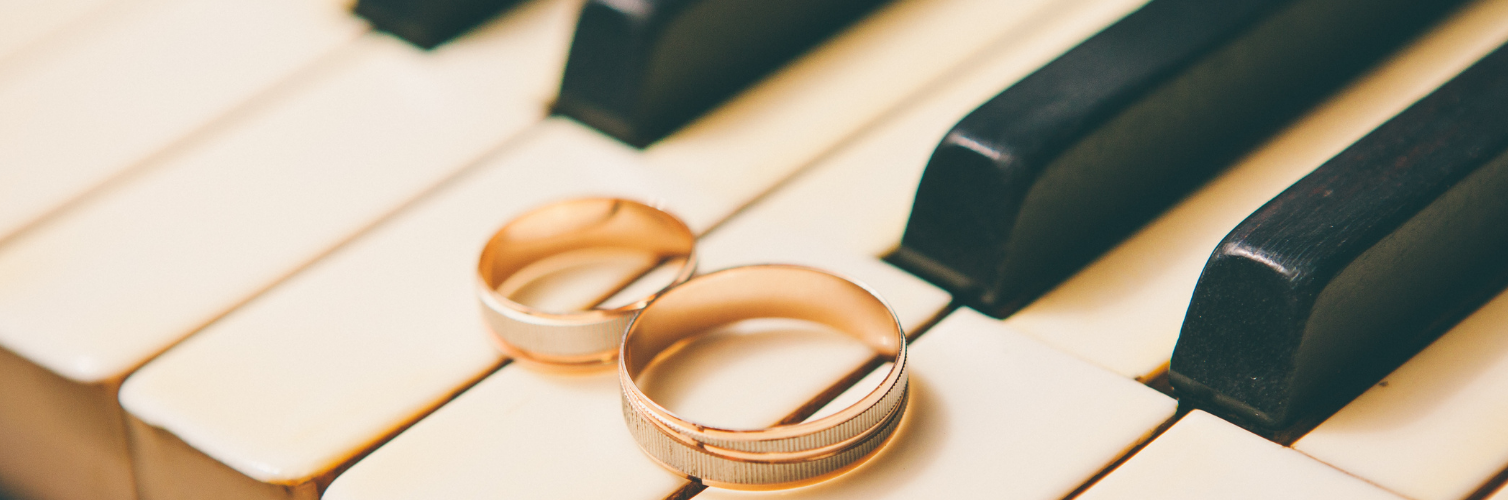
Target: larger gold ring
[
  {"x": 567, "y": 235},
  {"x": 784, "y": 455}
]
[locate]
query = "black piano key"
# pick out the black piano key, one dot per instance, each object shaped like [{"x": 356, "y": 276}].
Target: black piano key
[
  {"x": 639, "y": 70},
  {"x": 1059, "y": 167},
  {"x": 428, "y": 23},
  {"x": 1356, "y": 267}
]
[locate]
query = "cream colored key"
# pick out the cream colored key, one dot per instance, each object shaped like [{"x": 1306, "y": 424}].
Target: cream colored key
[
  {"x": 1434, "y": 428},
  {"x": 381, "y": 332},
  {"x": 87, "y": 108},
  {"x": 274, "y": 190},
  {"x": 104, "y": 287},
  {"x": 1502, "y": 494},
  {"x": 997, "y": 414},
  {"x": 1125, "y": 310},
  {"x": 74, "y": 112},
  {"x": 572, "y": 445},
  {"x": 24, "y": 22},
  {"x": 915, "y": 301},
  {"x": 325, "y": 364},
  {"x": 1204, "y": 457}
]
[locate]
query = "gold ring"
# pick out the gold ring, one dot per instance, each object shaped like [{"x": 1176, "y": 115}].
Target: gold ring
[
  {"x": 785, "y": 455},
  {"x": 573, "y": 235}
]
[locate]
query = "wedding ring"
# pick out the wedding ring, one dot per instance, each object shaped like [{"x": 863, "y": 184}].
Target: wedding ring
[
  {"x": 570, "y": 236},
  {"x": 784, "y": 455}
]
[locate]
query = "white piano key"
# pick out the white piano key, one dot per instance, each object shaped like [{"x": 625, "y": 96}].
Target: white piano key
[
  {"x": 526, "y": 434},
  {"x": 70, "y": 100},
  {"x": 313, "y": 345},
  {"x": 221, "y": 219},
  {"x": 517, "y": 434},
  {"x": 752, "y": 374},
  {"x": 1502, "y": 494},
  {"x": 24, "y": 22},
  {"x": 59, "y": 439},
  {"x": 91, "y": 106},
  {"x": 1204, "y": 457},
  {"x": 914, "y": 300},
  {"x": 1125, "y": 310},
  {"x": 366, "y": 339},
  {"x": 996, "y": 414},
  {"x": 854, "y": 393},
  {"x": 1434, "y": 428},
  {"x": 191, "y": 238}
]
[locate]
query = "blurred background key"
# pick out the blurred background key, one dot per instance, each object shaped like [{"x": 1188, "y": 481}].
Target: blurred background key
[
  {"x": 639, "y": 70},
  {"x": 427, "y": 23}
]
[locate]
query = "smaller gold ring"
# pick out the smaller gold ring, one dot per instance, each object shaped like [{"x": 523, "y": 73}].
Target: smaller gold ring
[
  {"x": 568, "y": 234},
  {"x": 784, "y": 455}
]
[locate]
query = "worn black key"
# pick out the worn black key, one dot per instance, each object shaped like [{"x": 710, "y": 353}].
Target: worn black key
[
  {"x": 639, "y": 70},
  {"x": 1359, "y": 265},
  {"x": 428, "y": 23},
  {"x": 1059, "y": 167}
]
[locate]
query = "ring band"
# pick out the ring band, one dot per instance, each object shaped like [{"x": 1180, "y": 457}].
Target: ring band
[
  {"x": 569, "y": 235},
  {"x": 785, "y": 455}
]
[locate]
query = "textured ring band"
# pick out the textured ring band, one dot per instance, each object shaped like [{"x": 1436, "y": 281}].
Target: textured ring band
[
  {"x": 569, "y": 235},
  {"x": 781, "y": 456}
]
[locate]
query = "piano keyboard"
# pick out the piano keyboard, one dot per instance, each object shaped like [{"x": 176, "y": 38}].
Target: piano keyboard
[{"x": 237, "y": 243}]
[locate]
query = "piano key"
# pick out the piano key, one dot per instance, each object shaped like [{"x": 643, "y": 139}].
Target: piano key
[
  {"x": 1502, "y": 494},
  {"x": 1431, "y": 430},
  {"x": 24, "y": 22},
  {"x": 1202, "y": 456},
  {"x": 312, "y": 326},
  {"x": 38, "y": 119},
  {"x": 360, "y": 292},
  {"x": 638, "y": 71},
  {"x": 103, "y": 101},
  {"x": 52, "y": 428},
  {"x": 230, "y": 179},
  {"x": 866, "y": 384},
  {"x": 982, "y": 423},
  {"x": 428, "y": 23},
  {"x": 1124, "y": 311},
  {"x": 577, "y": 428},
  {"x": 1064, "y": 164},
  {"x": 915, "y": 303},
  {"x": 220, "y": 220},
  {"x": 1359, "y": 265}
]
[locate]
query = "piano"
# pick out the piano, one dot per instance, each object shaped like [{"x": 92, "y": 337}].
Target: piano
[{"x": 238, "y": 239}]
